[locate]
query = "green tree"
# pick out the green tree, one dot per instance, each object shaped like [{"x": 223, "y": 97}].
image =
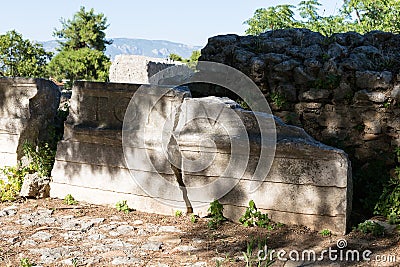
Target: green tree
[
  {"x": 86, "y": 29},
  {"x": 374, "y": 15},
  {"x": 81, "y": 64},
  {"x": 276, "y": 17},
  {"x": 175, "y": 57},
  {"x": 195, "y": 56},
  {"x": 354, "y": 15},
  {"x": 309, "y": 11},
  {"x": 81, "y": 55},
  {"x": 21, "y": 57}
]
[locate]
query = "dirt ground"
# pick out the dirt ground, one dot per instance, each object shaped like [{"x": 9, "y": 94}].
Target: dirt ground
[{"x": 178, "y": 241}]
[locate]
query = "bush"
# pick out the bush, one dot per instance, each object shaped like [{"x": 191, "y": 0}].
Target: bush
[
  {"x": 371, "y": 227},
  {"x": 41, "y": 160},
  {"x": 10, "y": 188},
  {"x": 368, "y": 186},
  {"x": 389, "y": 202}
]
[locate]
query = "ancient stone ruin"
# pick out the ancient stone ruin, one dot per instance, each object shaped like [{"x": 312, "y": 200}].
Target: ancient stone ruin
[
  {"x": 27, "y": 108},
  {"x": 309, "y": 183},
  {"x": 343, "y": 90},
  {"x": 137, "y": 69}
]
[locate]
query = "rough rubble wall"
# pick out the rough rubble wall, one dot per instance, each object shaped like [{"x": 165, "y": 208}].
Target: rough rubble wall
[
  {"x": 90, "y": 162},
  {"x": 27, "y": 108},
  {"x": 344, "y": 90},
  {"x": 136, "y": 69}
]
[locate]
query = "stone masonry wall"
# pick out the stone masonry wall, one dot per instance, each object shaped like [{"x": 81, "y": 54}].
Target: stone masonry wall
[
  {"x": 27, "y": 108},
  {"x": 344, "y": 90},
  {"x": 137, "y": 69}
]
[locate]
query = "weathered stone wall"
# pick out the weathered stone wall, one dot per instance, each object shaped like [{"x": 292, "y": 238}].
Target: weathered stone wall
[
  {"x": 90, "y": 160},
  {"x": 27, "y": 108},
  {"x": 344, "y": 90},
  {"x": 91, "y": 165},
  {"x": 137, "y": 69}
]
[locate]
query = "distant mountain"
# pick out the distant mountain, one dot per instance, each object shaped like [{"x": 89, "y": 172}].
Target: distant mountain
[
  {"x": 50, "y": 46},
  {"x": 129, "y": 46}
]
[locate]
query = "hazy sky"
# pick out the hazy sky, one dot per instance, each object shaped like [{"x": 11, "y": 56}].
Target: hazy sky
[{"x": 189, "y": 22}]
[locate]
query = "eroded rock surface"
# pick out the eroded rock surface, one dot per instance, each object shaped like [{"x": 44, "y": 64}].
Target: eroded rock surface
[{"x": 27, "y": 108}]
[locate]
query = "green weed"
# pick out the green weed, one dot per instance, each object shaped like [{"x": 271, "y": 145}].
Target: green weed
[
  {"x": 359, "y": 127},
  {"x": 216, "y": 213},
  {"x": 261, "y": 257},
  {"x": 193, "y": 218},
  {"x": 24, "y": 262},
  {"x": 386, "y": 105},
  {"x": 178, "y": 213},
  {"x": 325, "y": 232},
  {"x": 243, "y": 104},
  {"x": 253, "y": 217},
  {"x": 389, "y": 201},
  {"x": 397, "y": 153},
  {"x": 278, "y": 99},
  {"x": 393, "y": 218},
  {"x": 330, "y": 81},
  {"x": 70, "y": 200},
  {"x": 122, "y": 206}
]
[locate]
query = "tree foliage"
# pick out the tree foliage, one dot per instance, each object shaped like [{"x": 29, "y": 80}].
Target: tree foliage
[
  {"x": 81, "y": 64},
  {"x": 21, "y": 57},
  {"x": 276, "y": 17},
  {"x": 175, "y": 57},
  {"x": 81, "y": 55},
  {"x": 354, "y": 15},
  {"x": 374, "y": 15},
  {"x": 194, "y": 57},
  {"x": 84, "y": 30}
]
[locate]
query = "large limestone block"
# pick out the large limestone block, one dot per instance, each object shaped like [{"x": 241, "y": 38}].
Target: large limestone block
[
  {"x": 27, "y": 107},
  {"x": 309, "y": 183},
  {"x": 99, "y": 105},
  {"x": 91, "y": 153},
  {"x": 136, "y": 68}
]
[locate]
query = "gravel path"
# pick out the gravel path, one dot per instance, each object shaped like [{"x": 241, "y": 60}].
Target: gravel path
[{"x": 50, "y": 233}]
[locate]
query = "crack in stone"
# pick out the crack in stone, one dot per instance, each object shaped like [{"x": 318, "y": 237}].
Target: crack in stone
[{"x": 175, "y": 159}]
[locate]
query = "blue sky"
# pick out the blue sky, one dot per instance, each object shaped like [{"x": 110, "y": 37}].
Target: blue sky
[{"x": 189, "y": 22}]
